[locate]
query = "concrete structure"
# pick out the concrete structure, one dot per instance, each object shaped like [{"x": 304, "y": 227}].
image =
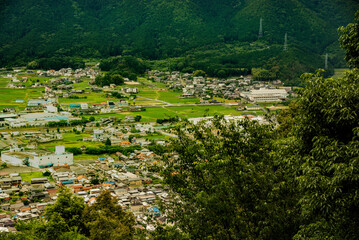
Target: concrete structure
[
  {"x": 36, "y": 119},
  {"x": 84, "y": 106},
  {"x": 267, "y": 95},
  {"x": 98, "y": 135},
  {"x": 37, "y": 158},
  {"x": 51, "y": 109}
]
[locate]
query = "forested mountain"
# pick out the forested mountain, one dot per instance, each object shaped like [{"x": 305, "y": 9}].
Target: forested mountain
[{"x": 158, "y": 29}]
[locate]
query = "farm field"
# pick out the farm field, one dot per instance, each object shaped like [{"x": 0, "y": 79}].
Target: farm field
[
  {"x": 70, "y": 140},
  {"x": 167, "y": 96},
  {"x": 90, "y": 98},
  {"x": 9, "y": 96},
  {"x": 152, "y": 114},
  {"x": 4, "y": 82}
]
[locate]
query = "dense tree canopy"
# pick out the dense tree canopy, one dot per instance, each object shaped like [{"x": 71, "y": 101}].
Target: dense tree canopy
[
  {"x": 349, "y": 40},
  {"x": 105, "y": 219},
  {"x": 297, "y": 180},
  {"x": 228, "y": 183},
  {"x": 222, "y": 34}
]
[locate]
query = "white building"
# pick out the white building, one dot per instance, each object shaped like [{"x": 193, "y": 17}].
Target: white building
[
  {"x": 84, "y": 106},
  {"x": 36, "y": 119},
  {"x": 51, "y": 109},
  {"x": 98, "y": 135},
  {"x": 38, "y": 158},
  {"x": 267, "y": 95}
]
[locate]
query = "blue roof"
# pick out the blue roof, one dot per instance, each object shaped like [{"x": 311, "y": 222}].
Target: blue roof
[
  {"x": 68, "y": 181},
  {"x": 101, "y": 158},
  {"x": 111, "y": 182},
  {"x": 75, "y": 105},
  {"x": 37, "y": 101},
  {"x": 155, "y": 210}
]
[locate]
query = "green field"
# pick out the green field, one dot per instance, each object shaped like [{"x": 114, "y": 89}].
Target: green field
[
  {"x": 167, "y": 96},
  {"x": 4, "y": 82},
  {"x": 90, "y": 98},
  {"x": 70, "y": 140},
  {"x": 9, "y": 96},
  {"x": 28, "y": 175},
  {"x": 151, "y": 114}
]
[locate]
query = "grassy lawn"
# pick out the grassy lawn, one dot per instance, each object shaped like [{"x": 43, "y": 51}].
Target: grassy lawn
[{"x": 28, "y": 175}]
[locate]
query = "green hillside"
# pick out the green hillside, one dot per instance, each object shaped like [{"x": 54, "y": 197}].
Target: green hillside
[{"x": 159, "y": 29}]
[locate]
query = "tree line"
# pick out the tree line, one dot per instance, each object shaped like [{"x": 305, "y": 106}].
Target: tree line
[{"x": 294, "y": 178}]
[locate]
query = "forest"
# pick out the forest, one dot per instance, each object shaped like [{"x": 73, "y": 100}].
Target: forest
[{"x": 186, "y": 35}]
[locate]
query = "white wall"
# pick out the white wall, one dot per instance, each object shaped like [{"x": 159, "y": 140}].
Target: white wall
[{"x": 65, "y": 159}]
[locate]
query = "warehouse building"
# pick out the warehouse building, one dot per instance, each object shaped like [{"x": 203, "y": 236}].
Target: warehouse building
[{"x": 267, "y": 95}]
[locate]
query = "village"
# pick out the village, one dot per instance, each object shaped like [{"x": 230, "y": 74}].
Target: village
[
  {"x": 91, "y": 138},
  {"x": 129, "y": 170}
]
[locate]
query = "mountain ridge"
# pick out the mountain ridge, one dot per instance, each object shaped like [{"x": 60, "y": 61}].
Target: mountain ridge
[{"x": 158, "y": 29}]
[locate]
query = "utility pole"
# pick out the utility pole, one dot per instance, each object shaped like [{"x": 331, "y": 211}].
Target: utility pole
[
  {"x": 260, "y": 33},
  {"x": 285, "y": 48}
]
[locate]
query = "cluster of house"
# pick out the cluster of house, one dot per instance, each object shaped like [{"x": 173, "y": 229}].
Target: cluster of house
[
  {"x": 233, "y": 88},
  {"x": 136, "y": 188},
  {"x": 228, "y": 118},
  {"x": 67, "y": 75},
  {"x": 122, "y": 137},
  {"x": 69, "y": 72}
]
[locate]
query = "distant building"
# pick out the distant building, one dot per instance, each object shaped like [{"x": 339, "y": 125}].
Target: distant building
[
  {"x": 37, "y": 158},
  {"x": 98, "y": 135},
  {"x": 35, "y": 119},
  {"x": 267, "y": 95},
  {"x": 36, "y": 102},
  {"x": 51, "y": 109}
]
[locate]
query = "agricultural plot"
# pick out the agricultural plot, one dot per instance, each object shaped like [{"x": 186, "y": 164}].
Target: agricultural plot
[
  {"x": 8, "y": 97},
  {"x": 70, "y": 140},
  {"x": 4, "y": 82},
  {"x": 90, "y": 98},
  {"x": 152, "y": 114},
  {"x": 173, "y": 97},
  {"x": 28, "y": 175}
]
